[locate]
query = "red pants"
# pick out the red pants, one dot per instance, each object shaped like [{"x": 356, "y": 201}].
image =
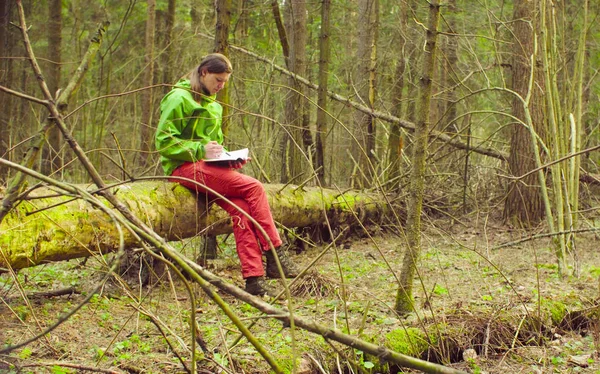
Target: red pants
[{"x": 248, "y": 194}]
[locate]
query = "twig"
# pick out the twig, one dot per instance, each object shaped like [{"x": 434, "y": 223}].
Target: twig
[
  {"x": 156, "y": 323},
  {"x": 74, "y": 366},
  {"x": 55, "y": 293},
  {"x": 564, "y": 158},
  {"x": 316, "y": 363},
  {"x": 541, "y": 236}
]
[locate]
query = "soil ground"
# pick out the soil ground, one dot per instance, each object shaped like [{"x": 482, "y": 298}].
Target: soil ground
[{"x": 480, "y": 309}]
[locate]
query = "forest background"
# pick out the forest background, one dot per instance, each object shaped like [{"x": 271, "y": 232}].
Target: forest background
[{"x": 340, "y": 95}]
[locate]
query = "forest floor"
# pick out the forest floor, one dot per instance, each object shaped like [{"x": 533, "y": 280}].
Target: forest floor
[{"x": 481, "y": 310}]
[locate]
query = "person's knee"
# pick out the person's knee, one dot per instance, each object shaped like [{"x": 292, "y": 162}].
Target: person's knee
[{"x": 256, "y": 187}]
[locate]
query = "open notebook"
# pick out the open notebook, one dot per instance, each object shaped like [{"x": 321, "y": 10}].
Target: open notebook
[{"x": 239, "y": 155}]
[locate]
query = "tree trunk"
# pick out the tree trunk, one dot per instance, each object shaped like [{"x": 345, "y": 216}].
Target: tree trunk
[
  {"x": 404, "y": 298},
  {"x": 76, "y": 229},
  {"x": 243, "y": 23},
  {"x": 51, "y": 161},
  {"x": 6, "y": 78},
  {"x": 146, "y": 141},
  {"x": 281, "y": 31},
  {"x": 524, "y": 204},
  {"x": 451, "y": 67},
  {"x": 363, "y": 145},
  {"x": 297, "y": 137},
  {"x": 324, "y": 53},
  {"x": 395, "y": 142},
  {"x": 223, "y": 10},
  {"x": 168, "y": 45}
]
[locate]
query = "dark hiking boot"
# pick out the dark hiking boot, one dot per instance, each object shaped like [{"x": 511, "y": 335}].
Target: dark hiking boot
[
  {"x": 290, "y": 270},
  {"x": 258, "y": 286}
]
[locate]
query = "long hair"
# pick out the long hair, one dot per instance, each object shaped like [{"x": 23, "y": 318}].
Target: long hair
[{"x": 215, "y": 63}]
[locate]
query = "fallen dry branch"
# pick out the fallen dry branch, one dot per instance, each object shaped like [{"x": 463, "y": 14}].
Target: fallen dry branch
[{"x": 54, "y": 293}]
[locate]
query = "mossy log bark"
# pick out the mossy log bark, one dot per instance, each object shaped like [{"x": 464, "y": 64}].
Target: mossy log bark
[{"x": 31, "y": 235}]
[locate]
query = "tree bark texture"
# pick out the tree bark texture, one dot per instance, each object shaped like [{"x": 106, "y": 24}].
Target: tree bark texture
[
  {"x": 31, "y": 234},
  {"x": 223, "y": 9},
  {"x": 396, "y": 141},
  {"x": 50, "y": 155},
  {"x": 404, "y": 298},
  {"x": 146, "y": 142},
  {"x": 297, "y": 137},
  {"x": 363, "y": 145},
  {"x": 524, "y": 204},
  {"x": 324, "y": 55},
  {"x": 6, "y": 79},
  {"x": 281, "y": 31},
  {"x": 168, "y": 58}
]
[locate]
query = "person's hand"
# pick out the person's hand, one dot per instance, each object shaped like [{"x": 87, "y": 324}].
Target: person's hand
[
  {"x": 212, "y": 150},
  {"x": 237, "y": 164}
]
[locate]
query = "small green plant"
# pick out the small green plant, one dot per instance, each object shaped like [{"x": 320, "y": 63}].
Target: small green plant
[
  {"x": 97, "y": 352},
  {"x": 220, "y": 359},
  {"x": 95, "y": 299},
  {"x": 473, "y": 365},
  {"x": 440, "y": 290},
  {"x": 61, "y": 370},
  {"x": 547, "y": 266},
  {"x": 590, "y": 361},
  {"x": 368, "y": 365},
  {"x": 25, "y": 353},
  {"x": 595, "y": 271},
  {"x": 557, "y": 360},
  {"x": 22, "y": 311}
]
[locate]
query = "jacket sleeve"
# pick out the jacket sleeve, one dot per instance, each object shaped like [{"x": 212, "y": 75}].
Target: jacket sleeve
[{"x": 169, "y": 140}]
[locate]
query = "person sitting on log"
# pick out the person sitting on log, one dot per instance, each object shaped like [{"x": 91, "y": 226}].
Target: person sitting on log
[{"x": 188, "y": 133}]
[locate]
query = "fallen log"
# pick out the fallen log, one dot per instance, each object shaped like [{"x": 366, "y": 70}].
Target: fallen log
[{"x": 47, "y": 228}]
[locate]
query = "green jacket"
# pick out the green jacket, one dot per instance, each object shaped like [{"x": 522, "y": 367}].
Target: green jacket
[{"x": 185, "y": 126}]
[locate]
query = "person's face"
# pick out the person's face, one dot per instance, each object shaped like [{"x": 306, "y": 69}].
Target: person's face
[{"x": 213, "y": 82}]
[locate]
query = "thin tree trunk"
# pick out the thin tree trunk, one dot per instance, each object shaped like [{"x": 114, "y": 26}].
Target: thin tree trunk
[
  {"x": 146, "y": 142},
  {"x": 364, "y": 81},
  {"x": 283, "y": 38},
  {"x": 241, "y": 29},
  {"x": 324, "y": 53},
  {"x": 451, "y": 69},
  {"x": 6, "y": 78},
  {"x": 223, "y": 9},
  {"x": 223, "y": 14},
  {"x": 51, "y": 161},
  {"x": 395, "y": 143},
  {"x": 404, "y": 298},
  {"x": 168, "y": 59},
  {"x": 295, "y": 138}
]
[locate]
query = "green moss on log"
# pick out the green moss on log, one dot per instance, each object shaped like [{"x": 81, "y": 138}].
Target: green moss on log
[
  {"x": 410, "y": 341},
  {"x": 30, "y": 236}
]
